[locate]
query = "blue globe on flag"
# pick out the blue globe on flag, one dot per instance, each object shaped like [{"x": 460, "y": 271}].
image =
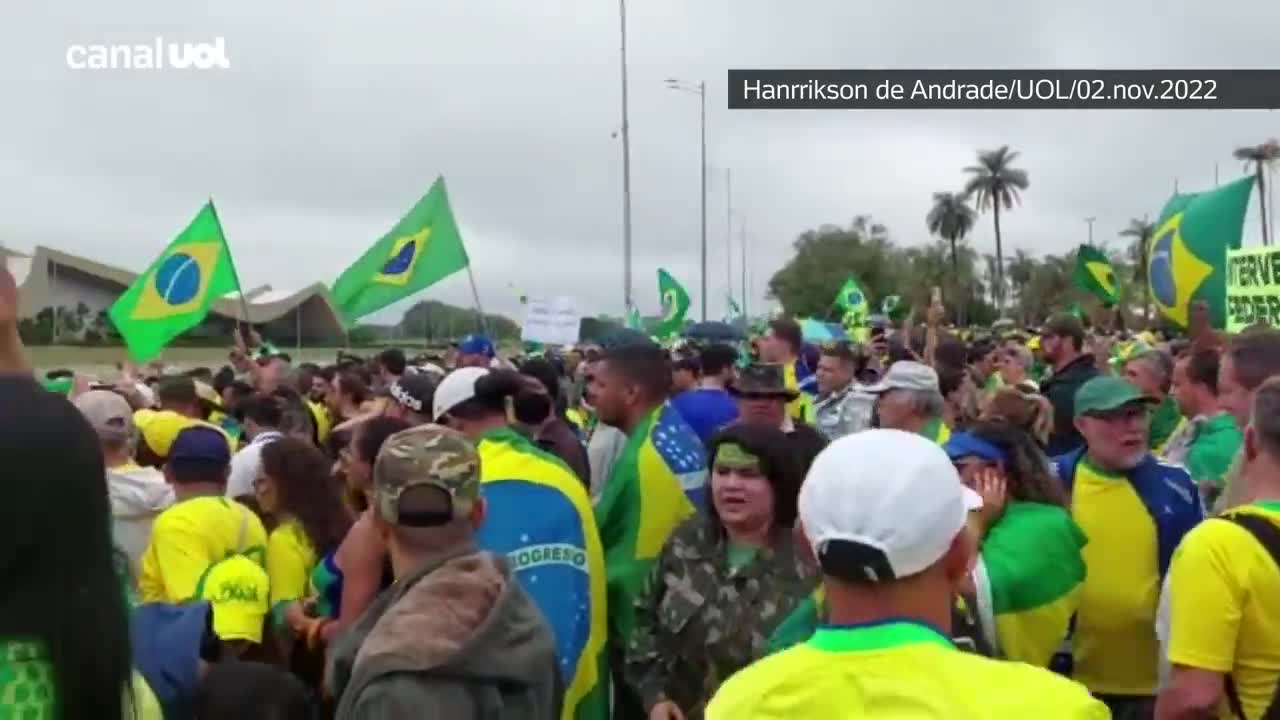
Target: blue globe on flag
[
  {"x": 177, "y": 279},
  {"x": 854, "y": 298},
  {"x": 1164, "y": 286},
  {"x": 401, "y": 261}
]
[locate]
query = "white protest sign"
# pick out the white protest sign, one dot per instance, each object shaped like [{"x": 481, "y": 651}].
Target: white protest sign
[{"x": 551, "y": 322}]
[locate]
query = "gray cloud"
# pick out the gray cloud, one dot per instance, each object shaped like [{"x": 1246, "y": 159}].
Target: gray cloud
[{"x": 332, "y": 122}]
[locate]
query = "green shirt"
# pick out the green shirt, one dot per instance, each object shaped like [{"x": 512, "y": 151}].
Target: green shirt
[
  {"x": 1164, "y": 421},
  {"x": 741, "y": 555},
  {"x": 1215, "y": 445}
]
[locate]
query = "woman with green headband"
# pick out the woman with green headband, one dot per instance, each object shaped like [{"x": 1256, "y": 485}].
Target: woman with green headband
[{"x": 724, "y": 580}]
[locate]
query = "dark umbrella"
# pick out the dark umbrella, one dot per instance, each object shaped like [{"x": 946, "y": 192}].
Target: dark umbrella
[{"x": 713, "y": 331}]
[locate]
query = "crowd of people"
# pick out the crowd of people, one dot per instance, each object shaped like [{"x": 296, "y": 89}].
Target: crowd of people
[{"x": 1048, "y": 522}]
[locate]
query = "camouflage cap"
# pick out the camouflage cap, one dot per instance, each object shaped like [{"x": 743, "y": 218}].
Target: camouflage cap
[
  {"x": 426, "y": 456},
  {"x": 763, "y": 380}
]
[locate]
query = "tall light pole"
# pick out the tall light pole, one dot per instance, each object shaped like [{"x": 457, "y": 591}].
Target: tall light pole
[
  {"x": 626, "y": 170},
  {"x": 728, "y": 233},
  {"x": 743, "y": 227},
  {"x": 1090, "y": 220},
  {"x": 700, "y": 88}
]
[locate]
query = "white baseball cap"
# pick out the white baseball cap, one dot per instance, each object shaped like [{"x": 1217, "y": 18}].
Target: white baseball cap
[
  {"x": 457, "y": 387},
  {"x": 906, "y": 375},
  {"x": 882, "y": 504}
]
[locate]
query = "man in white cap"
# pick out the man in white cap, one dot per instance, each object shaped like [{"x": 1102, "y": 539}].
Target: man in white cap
[
  {"x": 885, "y": 515},
  {"x": 911, "y": 400},
  {"x": 138, "y": 494}
]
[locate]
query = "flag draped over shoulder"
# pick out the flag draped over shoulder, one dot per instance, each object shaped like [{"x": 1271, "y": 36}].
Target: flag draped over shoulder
[
  {"x": 1187, "y": 258},
  {"x": 420, "y": 251},
  {"x": 657, "y": 482},
  {"x": 1029, "y": 580},
  {"x": 675, "y": 305},
  {"x": 1094, "y": 275},
  {"x": 175, "y": 293},
  {"x": 538, "y": 515}
]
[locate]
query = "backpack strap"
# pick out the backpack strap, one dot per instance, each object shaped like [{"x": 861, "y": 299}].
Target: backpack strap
[{"x": 1268, "y": 535}]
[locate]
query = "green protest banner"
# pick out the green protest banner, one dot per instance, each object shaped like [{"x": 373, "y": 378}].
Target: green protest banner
[{"x": 1253, "y": 287}]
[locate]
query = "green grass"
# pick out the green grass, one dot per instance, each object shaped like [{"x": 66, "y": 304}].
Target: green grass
[{"x": 102, "y": 361}]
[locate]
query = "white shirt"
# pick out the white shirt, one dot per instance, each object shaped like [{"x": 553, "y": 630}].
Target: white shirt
[{"x": 245, "y": 464}]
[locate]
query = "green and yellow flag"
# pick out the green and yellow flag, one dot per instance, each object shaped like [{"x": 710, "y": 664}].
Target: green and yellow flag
[
  {"x": 852, "y": 303},
  {"x": 675, "y": 305},
  {"x": 1094, "y": 275},
  {"x": 1187, "y": 258},
  {"x": 420, "y": 251},
  {"x": 658, "y": 481},
  {"x": 1029, "y": 579},
  {"x": 538, "y": 515},
  {"x": 175, "y": 293}
]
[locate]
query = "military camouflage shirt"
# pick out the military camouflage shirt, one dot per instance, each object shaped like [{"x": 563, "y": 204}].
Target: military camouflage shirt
[{"x": 698, "y": 621}]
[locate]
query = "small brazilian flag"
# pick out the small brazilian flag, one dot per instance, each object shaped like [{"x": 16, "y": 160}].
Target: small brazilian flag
[
  {"x": 675, "y": 305},
  {"x": 852, "y": 303},
  {"x": 175, "y": 293},
  {"x": 1187, "y": 258},
  {"x": 1095, "y": 275},
  {"x": 420, "y": 251}
]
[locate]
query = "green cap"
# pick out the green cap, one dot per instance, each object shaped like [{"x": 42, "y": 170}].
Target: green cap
[
  {"x": 430, "y": 457},
  {"x": 1107, "y": 393}
]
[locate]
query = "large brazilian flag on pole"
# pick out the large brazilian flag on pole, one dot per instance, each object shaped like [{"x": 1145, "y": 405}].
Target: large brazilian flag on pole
[
  {"x": 175, "y": 293},
  {"x": 538, "y": 515},
  {"x": 1187, "y": 258}
]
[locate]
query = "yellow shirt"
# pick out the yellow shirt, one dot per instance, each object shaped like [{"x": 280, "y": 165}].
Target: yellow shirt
[
  {"x": 189, "y": 537},
  {"x": 290, "y": 560},
  {"x": 896, "y": 670},
  {"x": 1114, "y": 645},
  {"x": 1221, "y": 583}
]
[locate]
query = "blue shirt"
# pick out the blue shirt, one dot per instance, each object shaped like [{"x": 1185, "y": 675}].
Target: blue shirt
[{"x": 706, "y": 410}]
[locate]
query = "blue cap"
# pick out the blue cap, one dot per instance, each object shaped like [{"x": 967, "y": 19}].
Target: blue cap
[
  {"x": 200, "y": 443},
  {"x": 476, "y": 345},
  {"x": 963, "y": 445}
]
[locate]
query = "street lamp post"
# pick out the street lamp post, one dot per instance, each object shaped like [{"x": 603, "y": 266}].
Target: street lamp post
[
  {"x": 700, "y": 89},
  {"x": 626, "y": 170},
  {"x": 1090, "y": 221}
]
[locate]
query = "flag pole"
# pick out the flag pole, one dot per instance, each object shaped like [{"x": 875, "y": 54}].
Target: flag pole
[
  {"x": 475, "y": 295},
  {"x": 244, "y": 302}
]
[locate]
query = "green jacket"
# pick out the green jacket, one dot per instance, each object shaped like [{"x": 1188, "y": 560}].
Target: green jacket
[{"x": 458, "y": 638}]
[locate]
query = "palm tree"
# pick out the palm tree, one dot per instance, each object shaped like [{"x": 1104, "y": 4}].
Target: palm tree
[
  {"x": 1260, "y": 156},
  {"x": 1141, "y": 232},
  {"x": 995, "y": 276},
  {"x": 1021, "y": 269},
  {"x": 995, "y": 183},
  {"x": 951, "y": 218}
]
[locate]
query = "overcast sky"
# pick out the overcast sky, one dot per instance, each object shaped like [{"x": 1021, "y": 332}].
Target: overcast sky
[{"x": 335, "y": 118}]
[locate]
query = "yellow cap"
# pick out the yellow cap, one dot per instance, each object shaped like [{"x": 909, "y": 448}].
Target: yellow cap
[
  {"x": 238, "y": 589},
  {"x": 1034, "y": 343},
  {"x": 206, "y": 393},
  {"x": 159, "y": 428}
]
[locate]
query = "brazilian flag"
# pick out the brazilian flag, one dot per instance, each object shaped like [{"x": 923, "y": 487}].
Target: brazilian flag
[
  {"x": 1094, "y": 275},
  {"x": 175, "y": 293},
  {"x": 1187, "y": 258},
  {"x": 675, "y": 305},
  {"x": 852, "y": 303},
  {"x": 420, "y": 251}
]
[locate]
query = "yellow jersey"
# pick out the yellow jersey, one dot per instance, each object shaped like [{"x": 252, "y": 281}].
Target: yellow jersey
[
  {"x": 290, "y": 560},
  {"x": 896, "y": 669},
  {"x": 188, "y": 538},
  {"x": 1114, "y": 645},
  {"x": 1220, "y": 584}
]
